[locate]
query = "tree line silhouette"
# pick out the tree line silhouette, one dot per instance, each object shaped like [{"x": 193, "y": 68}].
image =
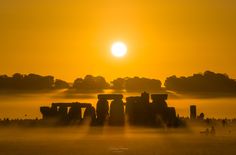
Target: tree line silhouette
[
  {"x": 201, "y": 82},
  {"x": 30, "y": 82},
  {"x": 206, "y": 82}
]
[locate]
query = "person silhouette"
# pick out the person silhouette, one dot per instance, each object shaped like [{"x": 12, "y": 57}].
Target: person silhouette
[
  {"x": 207, "y": 131},
  {"x": 213, "y": 131}
]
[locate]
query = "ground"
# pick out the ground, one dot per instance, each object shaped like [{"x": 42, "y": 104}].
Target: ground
[{"x": 116, "y": 140}]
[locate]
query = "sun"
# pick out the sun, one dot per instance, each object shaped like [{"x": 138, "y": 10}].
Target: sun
[{"x": 118, "y": 49}]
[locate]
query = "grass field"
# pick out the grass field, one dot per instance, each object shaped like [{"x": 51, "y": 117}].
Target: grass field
[{"x": 113, "y": 140}]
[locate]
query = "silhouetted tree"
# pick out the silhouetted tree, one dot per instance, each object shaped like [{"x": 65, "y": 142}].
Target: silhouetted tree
[
  {"x": 60, "y": 84},
  {"x": 5, "y": 82},
  {"x": 136, "y": 84},
  {"x": 90, "y": 83},
  {"x": 26, "y": 82},
  {"x": 141, "y": 84},
  {"x": 206, "y": 82},
  {"x": 118, "y": 84}
]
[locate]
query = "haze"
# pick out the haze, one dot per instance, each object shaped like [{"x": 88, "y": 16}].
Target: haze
[{"x": 70, "y": 39}]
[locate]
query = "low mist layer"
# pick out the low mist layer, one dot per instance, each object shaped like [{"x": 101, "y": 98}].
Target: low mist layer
[{"x": 117, "y": 141}]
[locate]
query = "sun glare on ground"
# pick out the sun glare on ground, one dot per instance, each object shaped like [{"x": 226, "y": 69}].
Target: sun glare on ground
[{"x": 119, "y": 49}]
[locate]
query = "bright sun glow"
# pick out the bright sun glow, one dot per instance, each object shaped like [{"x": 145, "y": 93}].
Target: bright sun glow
[{"x": 118, "y": 49}]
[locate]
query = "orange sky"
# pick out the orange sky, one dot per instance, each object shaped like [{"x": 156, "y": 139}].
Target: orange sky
[{"x": 70, "y": 39}]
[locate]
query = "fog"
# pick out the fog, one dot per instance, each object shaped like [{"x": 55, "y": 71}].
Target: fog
[{"x": 114, "y": 140}]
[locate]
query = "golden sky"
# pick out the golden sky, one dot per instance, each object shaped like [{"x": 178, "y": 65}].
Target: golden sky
[{"x": 72, "y": 38}]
